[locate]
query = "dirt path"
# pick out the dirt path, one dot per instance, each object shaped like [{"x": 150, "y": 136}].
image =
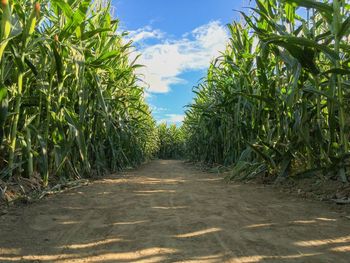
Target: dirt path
[{"x": 168, "y": 212}]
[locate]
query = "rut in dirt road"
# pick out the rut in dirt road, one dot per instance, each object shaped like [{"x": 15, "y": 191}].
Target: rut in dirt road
[{"x": 168, "y": 212}]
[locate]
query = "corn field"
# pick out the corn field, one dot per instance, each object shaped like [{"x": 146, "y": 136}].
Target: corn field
[
  {"x": 273, "y": 108},
  {"x": 276, "y": 101},
  {"x": 70, "y": 100},
  {"x": 171, "y": 141}
]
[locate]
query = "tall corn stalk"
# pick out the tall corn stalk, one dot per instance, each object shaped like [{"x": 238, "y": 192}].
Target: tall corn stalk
[
  {"x": 70, "y": 101},
  {"x": 171, "y": 141},
  {"x": 278, "y": 105}
]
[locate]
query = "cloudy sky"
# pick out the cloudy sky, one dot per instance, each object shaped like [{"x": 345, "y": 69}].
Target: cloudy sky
[{"x": 177, "y": 40}]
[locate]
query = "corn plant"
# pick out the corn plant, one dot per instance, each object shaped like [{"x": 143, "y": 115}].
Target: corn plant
[
  {"x": 70, "y": 103},
  {"x": 277, "y": 98},
  {"x": 171, "y": 141}
]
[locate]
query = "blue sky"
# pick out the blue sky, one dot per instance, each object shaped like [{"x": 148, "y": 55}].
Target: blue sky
[{"x": 177, "y": 40}]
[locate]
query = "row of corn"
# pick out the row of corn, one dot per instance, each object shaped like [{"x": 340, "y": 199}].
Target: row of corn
[
  {"x": 70, "y": 103},
  {"x": 277, "y": 99}
]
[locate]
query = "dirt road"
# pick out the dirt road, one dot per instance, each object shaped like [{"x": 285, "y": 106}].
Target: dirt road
[{"x": 167, "y": 212}]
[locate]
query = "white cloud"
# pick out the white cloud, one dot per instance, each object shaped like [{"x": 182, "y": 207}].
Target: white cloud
[
  {"x": 144, "y": 33},
  {"x": 172, "y": 119},
  {"x": 164, "y": 62},
  {"x": 157, "y": 110}
]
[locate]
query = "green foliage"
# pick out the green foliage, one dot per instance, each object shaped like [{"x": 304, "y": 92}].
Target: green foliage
[
  {"x": 171, "y": 141},
  {"x": 277, "y": 99},
  {"x": 70, "y": 104}
]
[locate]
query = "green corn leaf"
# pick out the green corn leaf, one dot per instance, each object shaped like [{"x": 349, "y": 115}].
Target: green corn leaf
[
  {"x": 304, "y": 42},
  {"x": 338, "y": 71},
  {"x": 324, "y": 8},
  {"x": 344, "y": 28},
  {"x": 3, "y": 93},
  {"x": 90, "y": 34}
]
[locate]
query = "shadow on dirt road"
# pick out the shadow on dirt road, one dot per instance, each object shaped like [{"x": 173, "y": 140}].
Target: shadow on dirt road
[{"x": 168, "y": 212}]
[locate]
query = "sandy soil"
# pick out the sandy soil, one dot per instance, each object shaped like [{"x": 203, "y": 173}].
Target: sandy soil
[{"x": 168, "y": 212}]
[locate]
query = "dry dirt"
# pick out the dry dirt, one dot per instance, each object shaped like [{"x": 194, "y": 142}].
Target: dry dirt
[{"x": 168, "y": 212}]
